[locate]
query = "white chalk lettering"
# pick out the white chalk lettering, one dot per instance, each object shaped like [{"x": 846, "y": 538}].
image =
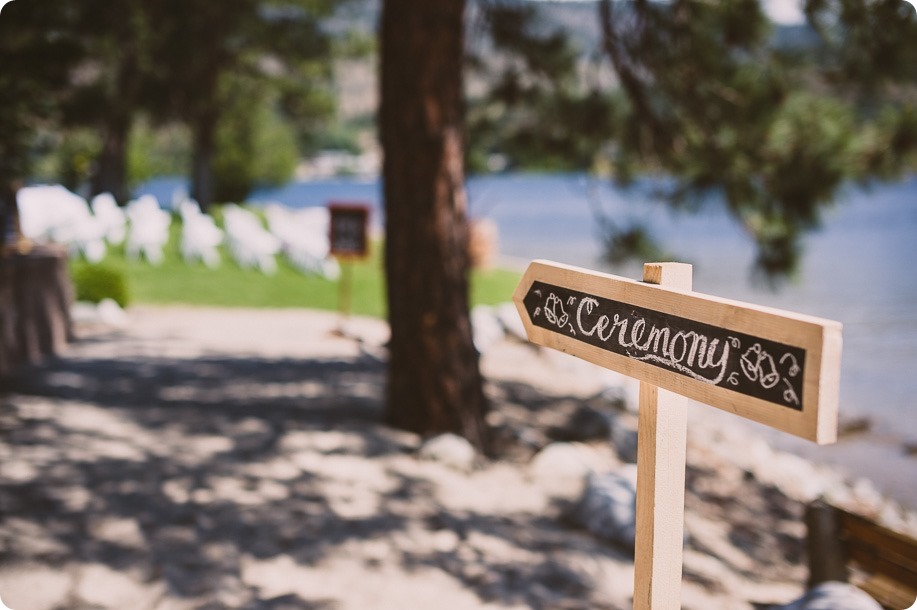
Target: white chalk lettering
[{"x": 694, "y": 354}]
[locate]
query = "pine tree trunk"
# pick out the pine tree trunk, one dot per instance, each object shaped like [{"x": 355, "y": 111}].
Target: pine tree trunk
[
  {"x": 111, "y": 171},
  {"x": 202, "y": 178},
  {"x": 434, "y": 381}
]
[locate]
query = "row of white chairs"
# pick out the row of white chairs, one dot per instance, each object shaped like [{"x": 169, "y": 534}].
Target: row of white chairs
[{"x": 54, "y": 214}]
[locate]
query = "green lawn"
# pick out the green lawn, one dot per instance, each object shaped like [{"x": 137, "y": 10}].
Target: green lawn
[{"x": 175, "y": 281}]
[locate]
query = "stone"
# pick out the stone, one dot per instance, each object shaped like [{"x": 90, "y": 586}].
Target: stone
[
  {"x": 102, "y": 586},
  {"x": 561, "y": 461},
  {"x": 608, "y": 506},
  {"x": 833, "y": 596},
  {"x": 110, "y": 313},
  {"x": 486, "y": 328},
  {"x": 508, "y": 316},
  {"x": 35, "y": 587},
  {"x": 83, "y": 312},
  {"x": 585, "y": 424},
  {"x": 451, "y": 450},
  {"x": 624, "y": 436}
]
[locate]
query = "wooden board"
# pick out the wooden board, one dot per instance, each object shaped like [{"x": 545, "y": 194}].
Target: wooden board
[
  {"x": 775, "y": 367},
  {"x": 349, "y": 229},
  {"x": 662, "y": 431}
]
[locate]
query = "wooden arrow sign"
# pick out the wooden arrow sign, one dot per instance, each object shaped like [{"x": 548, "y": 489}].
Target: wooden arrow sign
[{"x": 775, "y": 367}]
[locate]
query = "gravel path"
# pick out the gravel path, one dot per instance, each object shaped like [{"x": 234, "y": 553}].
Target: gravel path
[{"x": 204, "y": 459}]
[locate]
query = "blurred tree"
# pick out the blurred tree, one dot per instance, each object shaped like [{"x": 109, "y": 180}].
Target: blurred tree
[
  {"x": 531, "y": 108},
  {"x": 110, "y": 86},
  {"x": 706, "y": 96},
  {"x": 712, "y": 103},
  {"x": 157, "y": 150},
  {"x": 279, "y": 44},
  {"x": 434, "y": 381},
  {"x": 869, "y": 54},
  {"x": 36, "y": 56},
  {"x": 253, "y": 144},
  {"x": 706, "y": 102}
]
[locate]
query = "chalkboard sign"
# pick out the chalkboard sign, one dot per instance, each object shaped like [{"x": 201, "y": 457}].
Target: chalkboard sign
[
  {"x": 744, "y": 363},
  {"x": 349, "y": 229},
  {"x": 775, "y": 367}
]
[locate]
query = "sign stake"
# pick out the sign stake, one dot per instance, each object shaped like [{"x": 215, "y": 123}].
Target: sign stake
[
  {"x": 345, "y": 288},
  {"x": 779, "y": 368},
  {"x": 348, "y": 238},
  {"x": 661, "y": 448}
]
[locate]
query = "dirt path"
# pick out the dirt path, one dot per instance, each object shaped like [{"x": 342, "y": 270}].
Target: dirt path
[{"x": 205, "y": 459}]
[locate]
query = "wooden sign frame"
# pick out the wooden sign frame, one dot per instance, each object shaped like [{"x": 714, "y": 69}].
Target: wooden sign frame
[
  {"x": 682, "y": 344},
  {"x": 815, "y": 417},
  {"x": 354, "y": 242}
]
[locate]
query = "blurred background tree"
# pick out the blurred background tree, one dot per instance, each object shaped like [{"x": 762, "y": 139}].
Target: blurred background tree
[
  {"x": 37, "y": 52},
  {"x": 712, "y": 100},
  {"x": 87, "y": 76},
  {"x": 211, "y": 53},
  {"x": 708, "y": 99}
]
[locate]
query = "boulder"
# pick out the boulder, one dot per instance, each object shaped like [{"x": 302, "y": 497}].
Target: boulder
[
  {"x": 561, "y": 461},
  {"x": 624, "y": 436},
  {"x": 512, "y": 323},
  {"x": 486, "y": 328},
  {"x": 449, "y": 449},
  {"x": 608, "y": 506},
  {"x": 585, "y": 424},
  {"x": 110, "y": 313},
  {"x": 833, "y": 596}
]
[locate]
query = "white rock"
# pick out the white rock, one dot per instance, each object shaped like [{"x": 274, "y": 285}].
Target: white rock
[
  {"x": 624, "y": 437},
  {"x": 486, "y": 327},
  {"x": 608, "y": 507},
  {"x": 451, "y": 450},
  {"x": 110, "y": 313},
  {"x": 866, "y": 494},
  {"x": 561, "y": 461},
  {"x": 84, "y": 312},
  {"x": 833, "y": 596},
  {"x": 35, "y": 587},
  {"x": 508, "y": 316}
]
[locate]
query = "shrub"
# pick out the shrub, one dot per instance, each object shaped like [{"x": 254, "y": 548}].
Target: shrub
[{"x": 96, "y": 282}]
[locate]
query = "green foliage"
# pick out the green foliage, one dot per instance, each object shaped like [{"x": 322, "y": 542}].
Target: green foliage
[
  {"x": 157, "y": 151},
  {"x": 334, "y": 135},
  {"x": 93, "y": 283},
  {"x": 869, "y": 44},
  {"x": 529, "y": 113},
  {"x": 204, "y": 46},
  {"x": 707, "y": 99},
  {"x": 253, "y": 144},
  {"x": 37, "y": 52},
  {"x": 633, "y": 242},
  {"x": 354, "y": 44},
  {"x": 713, "y": 105},
  {"x": 68, "y": 157}
]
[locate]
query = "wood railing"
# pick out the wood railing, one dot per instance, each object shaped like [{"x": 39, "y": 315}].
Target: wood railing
[{"x": 845, "y": 547}]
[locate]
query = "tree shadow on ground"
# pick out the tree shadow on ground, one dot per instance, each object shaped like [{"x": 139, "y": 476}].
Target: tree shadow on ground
[{"x": 191, "y": 475}]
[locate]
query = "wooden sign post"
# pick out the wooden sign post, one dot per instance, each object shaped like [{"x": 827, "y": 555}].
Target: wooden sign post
[
  {"x": 775, "y": 367},
  {"x": 349, "y": 240}
]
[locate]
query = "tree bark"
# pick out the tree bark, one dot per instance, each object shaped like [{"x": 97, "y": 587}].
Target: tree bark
[
  {"x": 202, "y": 178},
  {"x": 111, "y": 171},
  {"x": 434, "y": 380}
]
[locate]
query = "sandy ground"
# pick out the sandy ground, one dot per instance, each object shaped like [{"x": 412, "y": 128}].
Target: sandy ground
[{"x": 205, "y": 459}]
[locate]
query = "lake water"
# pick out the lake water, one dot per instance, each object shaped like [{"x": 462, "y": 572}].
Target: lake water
[{"x": 860, "y": 268}]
